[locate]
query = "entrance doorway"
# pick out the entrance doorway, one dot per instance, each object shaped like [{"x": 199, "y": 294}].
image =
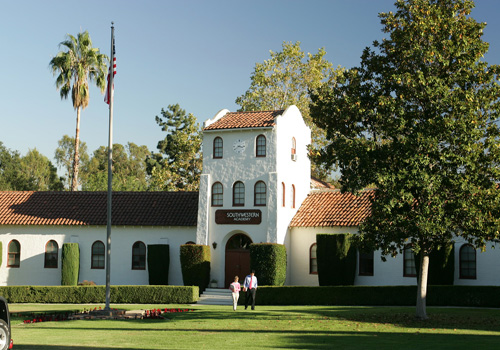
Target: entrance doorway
[{"x": 237, "y": 258}]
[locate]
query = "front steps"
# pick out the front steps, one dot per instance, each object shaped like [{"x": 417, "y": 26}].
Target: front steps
[{"x": 216, "y": 296}]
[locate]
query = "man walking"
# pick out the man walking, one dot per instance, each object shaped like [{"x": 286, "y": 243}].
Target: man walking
[{"x": 250, "y": 286}]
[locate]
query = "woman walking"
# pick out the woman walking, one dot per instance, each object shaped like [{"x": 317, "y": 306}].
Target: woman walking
[{"x": 235, "y": 291}]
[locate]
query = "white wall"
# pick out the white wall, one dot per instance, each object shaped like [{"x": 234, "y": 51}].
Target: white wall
[
  {"x": 487, "y": 265},
  {"x": 385, "y": 273},
  {"x": 34, "y": 238},
  {"x": 291, "y": 172}
]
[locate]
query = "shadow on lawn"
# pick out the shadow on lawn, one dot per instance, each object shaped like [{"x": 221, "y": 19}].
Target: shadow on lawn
[{"x": 449, "y": 318}]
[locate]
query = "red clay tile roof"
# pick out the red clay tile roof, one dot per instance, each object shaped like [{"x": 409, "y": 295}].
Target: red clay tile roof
[
  {"x": 238, "y": 120},
  {"x": 333, "y": 208},
  {"x": 90, "y": 208}
]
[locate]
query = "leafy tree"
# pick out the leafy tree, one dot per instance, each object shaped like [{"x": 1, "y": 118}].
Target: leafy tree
[
  {"x": 9, "y": 168},
  {"x": 129, "y": 169},
  {"x": 65, "y": 153},
  {"x": 75, "y": 67},
  {"x": 38, "y": 173},
  {"x": 418, "y": 119},
  {"x": 178, "y": 164},
  {"x": 33, "y": 172},
  {"x": 286, "y": 79}
]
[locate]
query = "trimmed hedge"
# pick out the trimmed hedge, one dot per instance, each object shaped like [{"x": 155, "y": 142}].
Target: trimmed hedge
[
  {"x": 158, "y": 263},
  {"x": 336, "y": 259},
  {"x": 269, "y": 262},
  {"x": 96, "y": 294},
  {"x": 195, "y": 265},
  {"x": 469, "y": 296},
  {"x": 70, "y": 264}
]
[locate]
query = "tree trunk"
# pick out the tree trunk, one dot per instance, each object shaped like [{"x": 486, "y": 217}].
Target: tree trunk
[
  {"x": 421, "y": 312},
  {"x": 76, "y": 159}
]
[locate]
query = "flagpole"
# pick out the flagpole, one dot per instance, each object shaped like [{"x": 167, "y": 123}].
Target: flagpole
[{"x": 110, "y": 168}]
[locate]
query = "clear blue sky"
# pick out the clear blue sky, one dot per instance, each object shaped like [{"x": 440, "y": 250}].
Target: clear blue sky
[{"x": 197, "y": 53}]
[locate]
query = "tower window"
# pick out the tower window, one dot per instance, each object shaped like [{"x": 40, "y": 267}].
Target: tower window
[
  {"x": 217, "y": 194},
  {"x": 260, "y": 197},
  {"x": 260, "y": 146},
  {"x": 218, "y": 150},
  {"x": 238, "y": 194}
]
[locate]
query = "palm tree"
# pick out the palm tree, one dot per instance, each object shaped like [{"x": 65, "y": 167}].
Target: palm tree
[{"x": 74, "y": 68}]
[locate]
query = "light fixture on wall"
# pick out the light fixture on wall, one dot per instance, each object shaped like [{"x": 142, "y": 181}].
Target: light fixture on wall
[{"x": 214, "y": 244}]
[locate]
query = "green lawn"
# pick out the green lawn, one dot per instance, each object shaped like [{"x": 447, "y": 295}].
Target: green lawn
[{"x": 269, "y": 327}]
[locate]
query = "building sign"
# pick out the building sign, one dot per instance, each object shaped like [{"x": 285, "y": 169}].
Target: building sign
[{"x": 238, "y": 217}]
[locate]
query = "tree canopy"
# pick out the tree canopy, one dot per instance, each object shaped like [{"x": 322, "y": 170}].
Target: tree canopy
[
  {"x": 419, "y": 120},
  {"x": 177, "y": 165},
  {"x": 75, "y": 67},
  {"x": 32, "y": 172},
  {"x": 129, "y": 169},
  {"x": 286, "y": 79},
  {"x": 65, "y": 153}
]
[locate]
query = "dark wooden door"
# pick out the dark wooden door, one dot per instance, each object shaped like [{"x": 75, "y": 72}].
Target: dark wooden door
[{"x": 237, "y": 264}]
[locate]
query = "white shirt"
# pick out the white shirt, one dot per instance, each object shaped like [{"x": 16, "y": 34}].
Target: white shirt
[{"x": 247, "y": 282}]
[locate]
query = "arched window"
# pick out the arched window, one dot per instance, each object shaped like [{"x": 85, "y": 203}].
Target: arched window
[
  {"x": 409, "y": 269},
  {"x": 218, "y": 147},
  {"x": 238, "y": 194},
  {"x": 98, "y": 256},
  {"x": 139, "y": 256},
  {"x": 51, "y": 255},
  {"x": 14, "y": 254},
  {"x": 293, "y": 196},
  {"x": 284, "y": 193},
  {"x": 365, "y": 263},
  {"x": 294, "y": 149},
  {"x": 260, "y": 146},
  {"x": 260, "y": 197},
  {"x": 467, "y": 262},
  {"x": 217, "y": 194},
  {"x": 313, "y": 261}
]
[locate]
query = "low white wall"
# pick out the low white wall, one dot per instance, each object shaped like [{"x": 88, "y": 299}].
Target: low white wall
[{"x": 34, "y": 238}]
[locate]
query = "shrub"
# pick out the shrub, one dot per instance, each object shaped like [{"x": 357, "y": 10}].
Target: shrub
[
  {"x": 70, "y": 264},
  {"x": 269, "y": 262},
  {"x": 96, "y": 294},
  {"x": 336, "y": 258},
  {"x": 195, "y": 265},
  {"x": 158, "y": 263}
]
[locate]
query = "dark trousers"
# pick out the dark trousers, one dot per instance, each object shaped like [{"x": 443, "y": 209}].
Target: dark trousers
[{"x": 250, "y": 294}]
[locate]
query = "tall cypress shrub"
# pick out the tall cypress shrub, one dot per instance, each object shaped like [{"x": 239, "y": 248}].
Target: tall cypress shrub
[
  {"x": 70, "y": 264},
  {"x": 195, "y": 265},
  {"x": 269, "y": 262},
  {"x": 336, "y": 259},
  {"x": 158, "y": 263}
]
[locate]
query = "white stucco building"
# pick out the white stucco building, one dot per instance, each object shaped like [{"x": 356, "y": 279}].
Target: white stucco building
[{"x": 255, "y": 187}]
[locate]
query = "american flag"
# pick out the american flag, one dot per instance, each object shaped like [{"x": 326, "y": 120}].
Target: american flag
[{"x": 107, "y": 97}]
